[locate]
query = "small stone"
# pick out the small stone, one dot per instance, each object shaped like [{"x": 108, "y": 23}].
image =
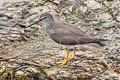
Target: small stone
[
  {"x": 3, "y": 23},
  {"x": 15, "y": 35},
  {"x": 1, "y": 44},
  {"x": 12, "y": 23},
  {"x": 25, "y": 11},
  {"x": 61, "y": 72},
  {"x": 1, "y": 27},
  {"x": 30, "y": 5},
  {"x": 32, "y": 70},
  {"x": 51, "y": 72},
  {"x": 19, "y": 73},
  {"x": 118, "y": 57},
  {"x": 104, "y": 16},
  {"x": 42, "y": 2},
  {"x": 3, "y": 39},
  {"x": 22, "y": 32},
  {"x": 65, "y": 4},
  {"x": 7, "y": 4},
  {"x": 19, "y": 14},
  {"x": 3, "y": 18},
  {"x": 9, "y": 14},
  {"x": 12, "y": 65},
  {"x": 2, "y": 69},
  {"x": 118, "y": 18},
  {"x": 93, "y": 4},
  {"x": 12, "y": 9},
  {"x": 2, "y": 10},
  {"x": 15, "y": 32},
  {"x": 109, "y": 25},
  {"x": 3, "y": 32}
]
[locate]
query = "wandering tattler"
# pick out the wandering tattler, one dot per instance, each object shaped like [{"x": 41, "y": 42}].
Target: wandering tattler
[{"x": 66, "y": 34}]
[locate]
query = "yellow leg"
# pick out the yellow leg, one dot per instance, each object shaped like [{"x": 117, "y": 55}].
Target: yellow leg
[
  {"x": 65, "y": 61},
  {"x": 73, "y": 56}
]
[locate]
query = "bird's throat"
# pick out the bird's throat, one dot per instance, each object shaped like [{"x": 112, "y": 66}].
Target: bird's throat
[{"x": 47, "y": 22}]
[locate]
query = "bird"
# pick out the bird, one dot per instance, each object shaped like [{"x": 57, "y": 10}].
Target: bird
[{"x": 67, "y": 34}]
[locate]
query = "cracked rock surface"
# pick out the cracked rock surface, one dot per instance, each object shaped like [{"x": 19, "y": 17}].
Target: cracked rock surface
[{"x": 27, "y": 52}]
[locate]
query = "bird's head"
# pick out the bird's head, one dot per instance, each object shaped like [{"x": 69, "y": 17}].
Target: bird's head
[{"x": 45, "y": 17}]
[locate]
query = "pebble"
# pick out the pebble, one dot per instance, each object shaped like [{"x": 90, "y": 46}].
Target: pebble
[
  {"x": 51, "y": 72},
  {"x": 3, "y": 32},
  {"x": 118, "y": 57},
  {"x": 109, "y": 25},
  {"x": 93, "y": 4},
  {"x": 65, "y": 4},
  {"x": 12, "y": 9},
  {"x": 15, "y": 35},
  {"x": 41, "y": 2},
  {"x": 7, "y": 4},
  {"x": 118, "y": 18},
  {"x": 12, "y": 23},
  {"x": 19, "y": 73},
  {"x": 3, "y": 19},
  {"x": 3, "y": 23}
]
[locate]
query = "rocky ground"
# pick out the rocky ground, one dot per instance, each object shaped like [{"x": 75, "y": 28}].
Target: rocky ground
[{"x": 26, "y": 53}]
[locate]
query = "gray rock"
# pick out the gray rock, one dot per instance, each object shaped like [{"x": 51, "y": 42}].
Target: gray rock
[
  {"x": 3, "y": 23},
  {"x": 15, "y": 32},
  {"x": 3, "y": 32},
  {"x": 19, "y": 73},
  {"x": 19, "y": 14},
  {"x": 30, "y": 5},
  {"x": 7, "y": 4},
  {"x": 12, "y": 9},
  {"x": 22, "y": 32},
  {"x": 65, "y": 4},
  {"x": 2, "y": 10},
  {"x": 12, "y": 23},
  {"x": 15, "y": 36},
  {"x": 3, "y": 19},
  {"x": 51, "y": 72},
  {"x": 41, "y": 2},
  {"x": 118, "y": 57},
  {"x": 1, "y": 27},
  {"x": 93, "y": 4},
  {"x": 25, "y": 11},
  {"x": 108, "y": 25},
  {"x": 8, "y": 15},
  {"x": 118, "y": 17}
]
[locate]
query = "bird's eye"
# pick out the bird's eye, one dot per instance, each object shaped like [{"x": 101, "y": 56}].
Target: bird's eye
[{"x": 42, "y": 17}]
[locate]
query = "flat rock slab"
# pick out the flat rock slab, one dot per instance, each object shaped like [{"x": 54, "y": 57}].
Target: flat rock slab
[{"x": 33, "y": 54}]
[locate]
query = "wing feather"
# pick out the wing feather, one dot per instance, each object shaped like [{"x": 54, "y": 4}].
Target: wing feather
[{"x": 69, "y": 36}]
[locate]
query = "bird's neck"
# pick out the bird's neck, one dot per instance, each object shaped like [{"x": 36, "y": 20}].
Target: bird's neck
[{"x": 47, "y": 22}]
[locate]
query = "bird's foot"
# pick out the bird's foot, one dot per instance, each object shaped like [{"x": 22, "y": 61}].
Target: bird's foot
[
  {"x": 63, "y": 63},
  {"x": 72, "y": 57}
]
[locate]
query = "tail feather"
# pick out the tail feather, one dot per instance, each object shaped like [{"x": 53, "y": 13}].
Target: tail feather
[
  {"x": 103, "y": 40},
  {"x": 99, "y": 41},
  {"x": 101, "y": 44}
]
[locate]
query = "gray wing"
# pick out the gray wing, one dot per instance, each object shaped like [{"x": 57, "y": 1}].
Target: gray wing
[
  {"x": 69, "y": 28},
  {"x": 69, "y": 35}
]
